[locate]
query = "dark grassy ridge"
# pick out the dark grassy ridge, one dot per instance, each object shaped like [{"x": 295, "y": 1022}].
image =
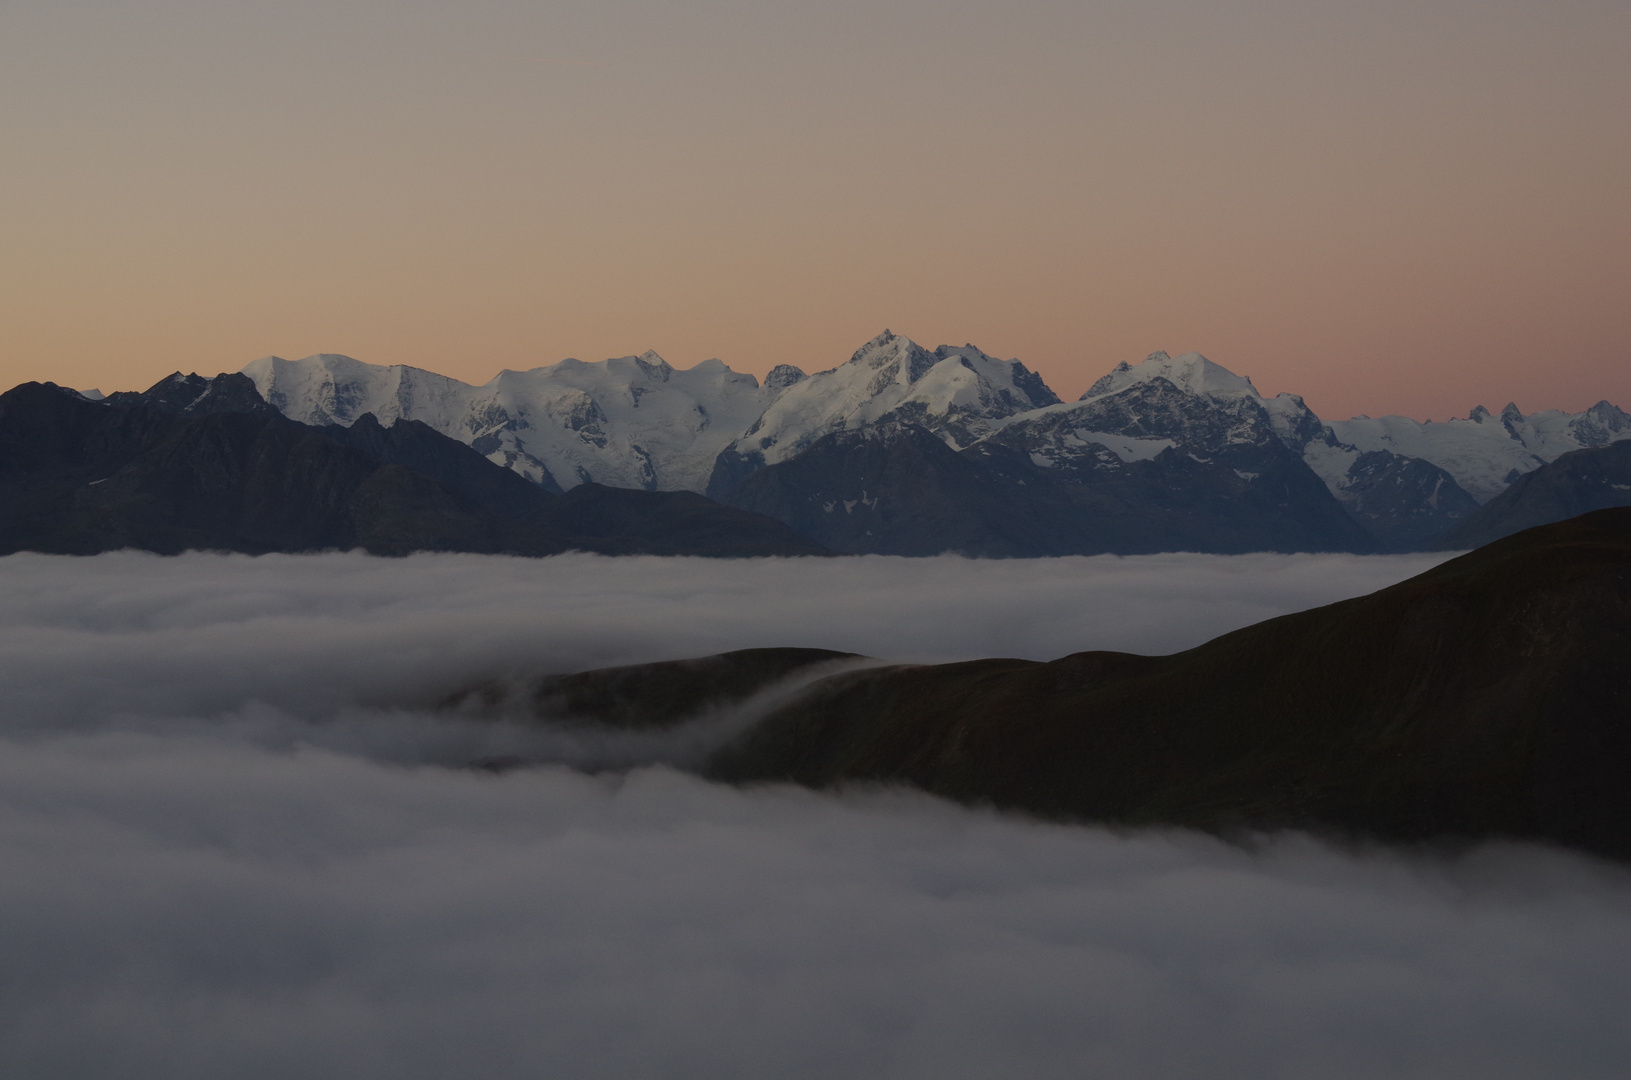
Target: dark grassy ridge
[{"x": 1488, "y": 697}]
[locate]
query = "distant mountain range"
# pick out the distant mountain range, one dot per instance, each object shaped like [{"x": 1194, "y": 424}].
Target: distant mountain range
[
  {"x": 199, "y": 463},
  {"x": 910, "y": 451},
  {"x": 1170, "y": 452},
  {"x": 1576, "y": 483}
]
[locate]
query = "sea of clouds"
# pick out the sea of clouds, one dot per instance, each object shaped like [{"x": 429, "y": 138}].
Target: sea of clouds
[{"x": 231, "y": 845}]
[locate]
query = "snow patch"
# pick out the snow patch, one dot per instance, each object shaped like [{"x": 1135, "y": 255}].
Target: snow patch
[
  {"x": 1331, "y": 463},
  {"x": 1125, "y": 447}
]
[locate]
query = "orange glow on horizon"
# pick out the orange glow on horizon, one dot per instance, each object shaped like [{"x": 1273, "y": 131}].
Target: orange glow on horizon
[{"x": 1374, "y": 209}]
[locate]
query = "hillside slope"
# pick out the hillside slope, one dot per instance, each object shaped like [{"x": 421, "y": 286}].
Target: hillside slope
[{"x": 1489, "y": 697}]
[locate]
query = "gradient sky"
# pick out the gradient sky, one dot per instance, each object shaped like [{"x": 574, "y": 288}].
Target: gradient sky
[{"x": 1387, "y": 207}]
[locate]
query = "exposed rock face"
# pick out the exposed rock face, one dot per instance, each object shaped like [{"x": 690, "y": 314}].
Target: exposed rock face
[
  {"x": 1574, "y": 484},
  {"x": 197, "y": 395}
]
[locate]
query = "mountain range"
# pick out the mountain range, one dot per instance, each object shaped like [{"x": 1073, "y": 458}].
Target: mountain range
[
  {"x": 198, "y": 463},
  {"x": 1169, "y": 452},
  {"x": 910, "y": 451}
]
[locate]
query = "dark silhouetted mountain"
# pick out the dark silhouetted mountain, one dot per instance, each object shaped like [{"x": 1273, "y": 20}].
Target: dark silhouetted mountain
[
  {"x": 1488, "y": 697},
  {"x": 1405, "y": 502},
  {"x": 899, "y": 489},
  {"x": 197, "y": 395},
  {"x": 194, "y": 468},
  {"x": 1574, "y": 484}
]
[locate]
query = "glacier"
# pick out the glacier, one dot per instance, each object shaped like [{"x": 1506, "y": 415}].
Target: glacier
[{"x": 639, "y": 422}]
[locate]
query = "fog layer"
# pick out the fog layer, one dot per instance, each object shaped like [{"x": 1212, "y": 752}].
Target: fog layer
[
  {"x": 224, "y": 854},
  {"x": 82, "y": 639}
]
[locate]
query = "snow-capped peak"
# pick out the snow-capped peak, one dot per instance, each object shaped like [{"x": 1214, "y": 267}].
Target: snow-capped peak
[
  {"x": 959, "y": 392},
  {"x": 1485, "y": 456},
  {"x": 637, "y": 421},
  {"x": 1190, "y": 372},
  {"x": 889, "y": 348},
  {"x": 631, "y": 421}
]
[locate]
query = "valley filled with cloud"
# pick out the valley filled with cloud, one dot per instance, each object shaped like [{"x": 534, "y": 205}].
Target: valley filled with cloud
[{"x": 237, "y": 842}]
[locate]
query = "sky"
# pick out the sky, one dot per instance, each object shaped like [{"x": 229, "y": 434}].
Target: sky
[
  {"x": 1390, "y": 207},
  {"x": 234, "y": 847}
]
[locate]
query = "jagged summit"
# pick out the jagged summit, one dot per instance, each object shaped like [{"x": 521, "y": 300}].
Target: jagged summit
[
  {"x": 196, "y": 394},
  {"x": 960, "y": 393},
  {"x": 784, "y": 375},
  {"x": 905, "y": 357}
]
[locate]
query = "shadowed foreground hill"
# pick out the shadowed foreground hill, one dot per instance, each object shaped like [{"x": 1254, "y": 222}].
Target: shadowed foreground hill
[{"x": 1490, "y": 696}]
